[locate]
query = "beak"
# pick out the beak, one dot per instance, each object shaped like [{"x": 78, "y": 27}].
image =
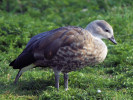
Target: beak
[{"x": 112, "y": 39}]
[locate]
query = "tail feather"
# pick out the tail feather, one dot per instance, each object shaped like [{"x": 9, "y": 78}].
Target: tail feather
[
  {"x": 24, "y": 59},
  {"x": 12, "y": 63}
]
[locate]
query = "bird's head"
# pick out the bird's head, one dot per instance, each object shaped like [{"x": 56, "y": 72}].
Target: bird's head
[{"x": 101, "y": 29}]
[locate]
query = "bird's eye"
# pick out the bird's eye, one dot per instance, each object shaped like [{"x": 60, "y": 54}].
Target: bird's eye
[{"x": 106, "y": 30}]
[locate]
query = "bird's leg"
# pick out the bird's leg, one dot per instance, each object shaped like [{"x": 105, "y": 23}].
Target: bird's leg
[
  {"x": 66, "y": 81},
  {"x": 57, "y": 77},
  {"x": 21, "y": 71},
  {"x": 18, "y": 75}
]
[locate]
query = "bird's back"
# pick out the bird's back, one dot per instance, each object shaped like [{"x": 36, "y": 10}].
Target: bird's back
[{"x": 39, "y": 46}]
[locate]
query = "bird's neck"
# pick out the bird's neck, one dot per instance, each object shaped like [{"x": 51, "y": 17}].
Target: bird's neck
[{"x": 91, "y": 30}]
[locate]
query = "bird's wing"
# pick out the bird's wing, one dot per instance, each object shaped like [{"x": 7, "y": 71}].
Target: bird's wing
[
  {"x": 46, "y": 45},
  {"x": 67, "y": 36},
  {"x": 27, "y": 56},
  {"x": 41, "y": 35}
]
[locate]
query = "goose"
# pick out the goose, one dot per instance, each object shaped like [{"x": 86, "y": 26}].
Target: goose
[{"x": 65, "y": 49}]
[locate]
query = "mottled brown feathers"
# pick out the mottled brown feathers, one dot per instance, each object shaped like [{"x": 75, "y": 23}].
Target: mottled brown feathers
[{"x": 64, "y": 37}]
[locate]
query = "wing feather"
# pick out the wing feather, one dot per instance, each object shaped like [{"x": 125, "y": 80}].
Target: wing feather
[
  {"x": 49, "y": 46},
  {"x": 46, "y": 45}
]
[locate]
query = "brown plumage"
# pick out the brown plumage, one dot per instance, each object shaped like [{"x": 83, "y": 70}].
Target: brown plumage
[{"x": 65, "y": 49}]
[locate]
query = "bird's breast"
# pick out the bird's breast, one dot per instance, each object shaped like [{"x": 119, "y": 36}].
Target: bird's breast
[{"x": 68, "y": 59}]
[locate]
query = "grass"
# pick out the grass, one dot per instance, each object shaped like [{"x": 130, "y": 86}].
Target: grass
[{"x": 113, "y": 77}]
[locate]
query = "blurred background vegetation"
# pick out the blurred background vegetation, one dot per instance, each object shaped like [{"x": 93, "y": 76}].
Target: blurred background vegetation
[{"x": 22, "y": 19}]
